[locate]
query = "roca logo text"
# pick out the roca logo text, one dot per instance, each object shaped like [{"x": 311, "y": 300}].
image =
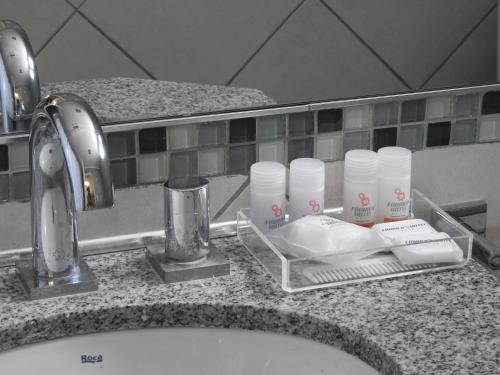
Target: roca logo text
[{"x": 91, "y": 358}]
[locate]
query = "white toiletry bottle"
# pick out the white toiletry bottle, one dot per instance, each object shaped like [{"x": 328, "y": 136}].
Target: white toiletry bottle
[
  {"x": 267, "y": 195},
  {"x": 307, "y": 188},
  {"x": 360, "y": 187},
  {"x": 394, "y": 183}
]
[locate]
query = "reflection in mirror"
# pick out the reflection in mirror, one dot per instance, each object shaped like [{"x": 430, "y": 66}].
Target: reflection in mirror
[
  {"x": 19, "y": 86},
  {"x": 131, "y": 60},
  {"x": 285, "y": 51}
]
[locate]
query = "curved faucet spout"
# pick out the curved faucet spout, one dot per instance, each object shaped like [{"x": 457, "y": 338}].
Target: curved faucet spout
[
  {"x": 19, "y": 85},
  {"x": 70, "y": 171}
]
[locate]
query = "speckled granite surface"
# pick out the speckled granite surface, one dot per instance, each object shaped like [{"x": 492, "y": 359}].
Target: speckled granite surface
[
  {"x": 443, "y": 323},
  {"x": 116, "y": 99}
]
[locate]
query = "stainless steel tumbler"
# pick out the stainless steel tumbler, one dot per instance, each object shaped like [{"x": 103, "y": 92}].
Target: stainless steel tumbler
[{"x": 187, "y": 222}]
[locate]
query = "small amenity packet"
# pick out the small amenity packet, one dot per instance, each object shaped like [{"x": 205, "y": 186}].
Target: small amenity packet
[
  {"x": 321, "y": 235},
  {"x": 427, "y": 248},
  {"x": 396, "y": 229},
  {"x": 423, "y": 243}
]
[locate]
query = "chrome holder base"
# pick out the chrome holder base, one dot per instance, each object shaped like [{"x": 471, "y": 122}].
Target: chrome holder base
[
  {"x": 86, "y": 281},
  {"x": 215, "y": 264}
]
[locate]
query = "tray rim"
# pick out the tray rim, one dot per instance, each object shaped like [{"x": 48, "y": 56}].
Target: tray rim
[{"x": 286, "y": 262}]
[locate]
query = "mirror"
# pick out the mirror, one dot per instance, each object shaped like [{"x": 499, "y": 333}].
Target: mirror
[
  {"x": 281, "y": 52},
  {"x": 128, "y": 59}
]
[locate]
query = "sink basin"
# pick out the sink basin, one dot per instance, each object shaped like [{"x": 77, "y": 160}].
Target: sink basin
[{"x": 181, "y": 351}]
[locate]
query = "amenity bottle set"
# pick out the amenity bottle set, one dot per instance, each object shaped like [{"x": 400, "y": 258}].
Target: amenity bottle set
[
  {"x": 268, "y": 191},
  {"x": 377, "y": 185},
  {"x": 376, "y": 188}
]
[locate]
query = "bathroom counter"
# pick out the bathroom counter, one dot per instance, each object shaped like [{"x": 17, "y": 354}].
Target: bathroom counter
[
  {"x": 119, "y": 99},
  {"x": 442, "y": 323}
]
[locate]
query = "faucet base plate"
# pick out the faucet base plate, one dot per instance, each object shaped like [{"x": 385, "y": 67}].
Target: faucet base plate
[
  {"x": 85, "y": 282},
  {"x": 214, "y": 265}
]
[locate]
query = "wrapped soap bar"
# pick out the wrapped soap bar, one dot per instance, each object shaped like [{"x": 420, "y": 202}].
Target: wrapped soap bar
[
  {"x": 422, "y": 243},
  {"x": 427, "y": 248},
  {"x": 396, "y": 229}
]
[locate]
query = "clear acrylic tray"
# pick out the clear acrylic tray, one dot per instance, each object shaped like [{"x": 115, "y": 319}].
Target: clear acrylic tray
[{"x": 299, "y": 274}]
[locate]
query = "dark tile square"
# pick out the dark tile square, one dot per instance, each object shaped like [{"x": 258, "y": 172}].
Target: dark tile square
[
  {"x": 491, "y": 103},
  {"x": 121, "y": 144},
  {"x": 385, "y": 113},
  {"x": 123, "y": 172},
  {"x": 438, "y": 134},
  {"x": 384, "y": 137},
  {"x": 300, "y": 124},
  {"x": 242, "y": 130},
  {"x": 152, "y": 140},
  {"x": 21, "y": 186},
  {"x": 413, "y": 110},
  {"x": 212, "y": 133},
  {"x": 183, "y": 164},
  {"x": 300, "y": 148},
  {"x": 4, "y": 158},
  {"x": 356, "y": 140},
  {"x": 271, "y": 127},
  {"x": 330, "y": 120},
  {"x": 4, "y": 187},
  {"x": 241, "y": 158}
]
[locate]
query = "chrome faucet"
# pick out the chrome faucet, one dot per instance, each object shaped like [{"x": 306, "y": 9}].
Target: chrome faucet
[
  {"x": 19, "y": 85},
  {"x": 70, "y": 172}
]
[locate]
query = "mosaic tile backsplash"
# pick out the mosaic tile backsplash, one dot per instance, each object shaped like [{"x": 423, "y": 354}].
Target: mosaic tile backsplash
[{"x": 231, "y": 146}]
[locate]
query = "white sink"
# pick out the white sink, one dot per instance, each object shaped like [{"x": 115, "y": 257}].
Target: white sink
[{"x": 194, "y": 351}]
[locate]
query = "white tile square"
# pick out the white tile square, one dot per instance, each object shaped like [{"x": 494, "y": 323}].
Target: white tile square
[
  {"x": 211, "y": 161},
  {"x": 489, "y": 129},
  {"x": 357, "y": 117},
  {"x": 272, "y": 151},
  {"x": 329, "y": 148},
  {"x": 438, "y": 107},
  {"x": 19, "y": 156},
  {"x": 183, "y": 136},
  {"x": 152, "y": 168}
]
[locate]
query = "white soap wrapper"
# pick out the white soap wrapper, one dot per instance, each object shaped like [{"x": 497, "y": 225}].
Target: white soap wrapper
[
  {"x": 418, "y": 250},
  {"x": 396, "y": 229},
  {"x": 321, "y": 235}
]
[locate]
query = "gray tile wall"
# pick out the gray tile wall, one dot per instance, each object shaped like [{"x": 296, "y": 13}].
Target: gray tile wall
[
  {"x": 294, "y": 50},
  {"x": 227, "y": 147},
  {"x": 141, "y": 209}
]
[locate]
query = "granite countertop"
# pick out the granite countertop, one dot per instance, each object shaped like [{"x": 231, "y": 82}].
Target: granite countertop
[
  {"x": 119, "y": 99},
  {"x": 441, "y": 323}
]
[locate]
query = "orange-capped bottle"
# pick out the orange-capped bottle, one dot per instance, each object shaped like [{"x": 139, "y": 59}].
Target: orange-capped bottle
[
  {"x": 360, "y": 187},
  {"x": 394, "y": 184}
]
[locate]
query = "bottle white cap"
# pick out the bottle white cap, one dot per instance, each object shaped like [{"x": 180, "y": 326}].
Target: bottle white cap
[
  {"x": 307, "y": 174},
  {"x": 360, "y": 165},
  {"x": 268, "y": 176},
  {"x": 394, "y": 162}
]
